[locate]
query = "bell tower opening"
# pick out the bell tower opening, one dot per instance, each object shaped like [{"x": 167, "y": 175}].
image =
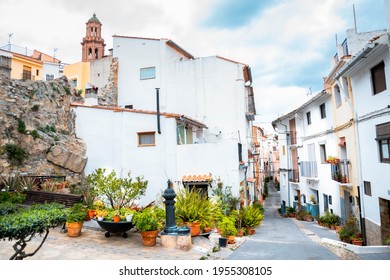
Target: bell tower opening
[{"x": 93, "y": 43}]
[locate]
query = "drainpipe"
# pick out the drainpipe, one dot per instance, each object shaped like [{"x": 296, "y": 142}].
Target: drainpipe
[{"x": 158, "y": 110}]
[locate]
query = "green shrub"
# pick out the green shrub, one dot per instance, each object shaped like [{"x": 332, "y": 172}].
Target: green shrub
[
  {"x": 250, "y": 216},
  {"x": 76, "y": 213},
  {"x": 15, "y": 154},
  {"x": 8, "y": 208},
  {"x": 146, "y": 220},
  {"x": 227, "y": 227},
  {"x": 21, "y": 126},
  {"x": 35, "y": 108},
  {"x": 35, "y": 134}
]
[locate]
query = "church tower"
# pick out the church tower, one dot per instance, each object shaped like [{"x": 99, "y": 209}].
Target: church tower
[{"x": 93, "y": 43}]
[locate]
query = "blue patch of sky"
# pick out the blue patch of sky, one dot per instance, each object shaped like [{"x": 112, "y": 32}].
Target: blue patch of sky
[{"x": 234, "y": 13}]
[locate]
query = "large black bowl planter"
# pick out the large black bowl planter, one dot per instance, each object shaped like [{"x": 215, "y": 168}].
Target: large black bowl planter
[{"x": 112, "y": 227}]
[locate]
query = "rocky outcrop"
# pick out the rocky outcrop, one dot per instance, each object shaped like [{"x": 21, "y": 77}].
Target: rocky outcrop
[{"x": 36, "y": 116}]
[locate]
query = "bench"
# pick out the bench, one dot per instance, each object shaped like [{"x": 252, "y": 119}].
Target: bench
[{"x": 40, "y": 197}]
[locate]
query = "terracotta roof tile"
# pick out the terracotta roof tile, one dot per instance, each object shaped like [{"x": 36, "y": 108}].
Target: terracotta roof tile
[{"x": 197, "y": 178}]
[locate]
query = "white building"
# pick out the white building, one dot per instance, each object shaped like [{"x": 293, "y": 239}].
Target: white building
[
  {"x": 206, "y": 109},
  {"x": 306, "y": 139},
  {"x": 368, "y": 75}
]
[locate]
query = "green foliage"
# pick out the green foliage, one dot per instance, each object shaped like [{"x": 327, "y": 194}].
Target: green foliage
[
  {"x": 67, "y": 91},
  {"x": 21, "y": 126},
  {"x": 119, "y": 192},
  {"x": 28, "y": 222},
  {"x": 79, "y": 92},
  {"x": 146, "y": 220},
  {"x": 350, "y": 229},
  {"x": 388, "y": 240},
  {"x": 8, "y": 208},
  {"x": 35, "y": 134},
  {"x": 191, "y": 206},
  {"x": 76, "y": 213},
  {"x": 290, "y": 210},
  {"x": 35, "y": 108},
  {"x": 15, "y": 154},
  {"x": 258, "y": 205},
  {"x": 250, "y": 216},
  {"x": 227, "y": 226},
  {"x": 12, "y": 197},
  {"x": 226, "y": 199},
  {"x": 48, "y": 128}
]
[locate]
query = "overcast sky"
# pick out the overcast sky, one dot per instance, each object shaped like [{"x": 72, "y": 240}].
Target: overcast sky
[{"x": 287, "y": 43}]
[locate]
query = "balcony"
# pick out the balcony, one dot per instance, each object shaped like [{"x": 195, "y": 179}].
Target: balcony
[
  {"x": 340, "y": 171},
  {"x": 293, "y": 175},
  {"x": 309, "y": 169}
]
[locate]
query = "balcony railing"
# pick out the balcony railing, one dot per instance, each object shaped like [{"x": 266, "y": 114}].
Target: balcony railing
[
  {"x": 309, "y": 169},
  {"x": 293, "y": 175},
  {"x": 340, "y": 171}
]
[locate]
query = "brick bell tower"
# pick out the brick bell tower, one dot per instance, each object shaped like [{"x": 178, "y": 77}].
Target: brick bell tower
[{"x": 93, "y": 43}]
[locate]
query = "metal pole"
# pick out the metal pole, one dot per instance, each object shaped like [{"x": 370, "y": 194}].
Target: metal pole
[{"x": 158, "y": 110}]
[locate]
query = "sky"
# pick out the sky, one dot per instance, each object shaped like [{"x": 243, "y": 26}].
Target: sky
[{"x": 287, "y": 43}]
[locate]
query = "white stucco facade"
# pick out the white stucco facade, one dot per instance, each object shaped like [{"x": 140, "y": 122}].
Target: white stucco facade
[{"x": 210, "y": 91}]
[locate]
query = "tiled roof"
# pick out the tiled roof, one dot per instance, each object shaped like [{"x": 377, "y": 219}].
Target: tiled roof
[{"x": 197, "y": 178}]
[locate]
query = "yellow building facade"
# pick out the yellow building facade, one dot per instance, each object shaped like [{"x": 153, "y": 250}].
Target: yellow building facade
[
  {"x": 26, "y": 68},
  {"x": 79, "y": 74}
]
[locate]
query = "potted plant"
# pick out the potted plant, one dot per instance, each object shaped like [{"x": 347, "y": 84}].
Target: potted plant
[
  {"x": 228, "y": 229},
  {"x": 194, "y": 210},
  {"x": 100, "y": 214},
  {"x": 250, "y": 217},
  {"x": 75, "y": 217},
  {"x": 349, "y": 230},
  {"x": 290, "y": 211},
  {"x": 117, "y": 194},
  {"x": 147, "y": 222}
]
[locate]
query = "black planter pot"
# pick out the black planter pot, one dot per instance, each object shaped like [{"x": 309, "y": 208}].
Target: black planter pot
[
  {"x": 222, "y": 242},
  {"x": 112, "y": 227}
]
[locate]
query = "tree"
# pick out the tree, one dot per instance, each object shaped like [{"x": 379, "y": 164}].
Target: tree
[{"x": 24, "y": 225}]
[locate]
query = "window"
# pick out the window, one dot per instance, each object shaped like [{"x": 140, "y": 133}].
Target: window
[
  {"x": 37, "y": 72},
  {"x": 378, "y": 78},
  {"x": 146, "y": 139},
  {"x": 383, "y": 138},
  {"x": 337, "y": 96},
  {"x": 367, "y": 188},
  {"x": 323, "y": 153},
  {"x": 308, "y": 117},
  {"x": 148, "y": 73},
  {"x": 49, "y": 77},
  {"x": 330, "y": 200},
  {"x": 323, "y": 111},
  {"x": 74, "y": 81}
]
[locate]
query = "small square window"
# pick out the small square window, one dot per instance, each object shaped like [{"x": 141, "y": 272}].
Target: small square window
[
  {"x": 148, "y": 73},
  {"x": 146, "y": 139}
]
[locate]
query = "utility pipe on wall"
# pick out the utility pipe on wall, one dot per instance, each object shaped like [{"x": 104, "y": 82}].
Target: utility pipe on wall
[{"x": 158, "y": 110}]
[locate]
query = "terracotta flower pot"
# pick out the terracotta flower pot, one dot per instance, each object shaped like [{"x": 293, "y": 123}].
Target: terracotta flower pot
[
  {"x": 231, "y": 239},
  {"x": 194, "y": 228},
  {"x": 74, "y": 229},
  {"x": 149, "y": 237},
  {"x": 91, "y": 213}
]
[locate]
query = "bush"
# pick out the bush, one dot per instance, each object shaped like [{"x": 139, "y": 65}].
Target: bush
[
  {"x": 21, "y": 126},
  {"x": 250, "y": 216},
  {"x": 350, "y": 229},
  {"x": 35, "y": 134},
  {"x": 15, "y": 154},
  {"x": 76, "y": 213},
  {"x": 227, "y": 227},
  {"x": 146, "y": 220},
  {"x": 35, "y": 108},
  {"x": 8, "y": 208}
]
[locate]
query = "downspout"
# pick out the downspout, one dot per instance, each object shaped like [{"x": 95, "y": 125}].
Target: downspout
[{"x": 158, "y": 110}]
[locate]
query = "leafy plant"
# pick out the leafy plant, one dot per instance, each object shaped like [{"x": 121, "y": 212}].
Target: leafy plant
[
  {"x": 290, "y": 210},
  {"x": 191, "y": 206},
  {"x": 146, "y": 220},
  {"x": 35, "y": 108},
  {"x": 350, "y": 229},
  {"x": 76, "y": 213},
  {"x": 250, "y": 216},
  {"x": 227, "y": 201},
  {"x": 24, "y": 225},
  {"x": 8, "y": 208},
  {"x": 34, "y": 134},
  {"x": 388, "y": 240},
  {"x": 21, "y": 126},
  {"x": 15, "y": 154},
  {"x": 227, "y": 226},
  {"x": 118, "y": 192}
]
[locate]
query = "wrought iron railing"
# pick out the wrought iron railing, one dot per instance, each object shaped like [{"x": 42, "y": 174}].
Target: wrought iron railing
[
  {"x": 309, "y": 169},
  {"x": 340, "y": 171}
]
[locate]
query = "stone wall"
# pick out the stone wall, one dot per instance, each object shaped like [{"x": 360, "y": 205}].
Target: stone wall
[
  {"x": 43, "y": 108},
  {"x": 107, "y": 94},
  {"x": 373, "y": 233}
]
